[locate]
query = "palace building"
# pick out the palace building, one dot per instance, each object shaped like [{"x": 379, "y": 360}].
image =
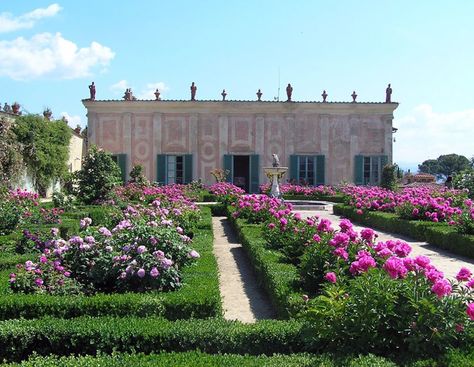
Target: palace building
[{"x": 181, "y": 141}]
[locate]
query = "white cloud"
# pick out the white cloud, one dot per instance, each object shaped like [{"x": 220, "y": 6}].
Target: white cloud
[
  {"x": 149, "y": 91},
  {"x": 73, "y": 120},
  {"x": 46, "y": 54},
  {"x": 425, "y": 134},
  {"x": 10, "y": 23},
  {"x": 119, "y": 87}
]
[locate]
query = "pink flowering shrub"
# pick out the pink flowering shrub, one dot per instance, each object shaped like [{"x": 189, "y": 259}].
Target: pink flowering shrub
[
  {"x": 257, "y": 208},
  {"x": 226, "y": 192},
  {"x": 145, "y": 251},
  {"x": 170, "y": 201},
  {"x": 291, "y": 189},
  {"x": 368, "y": 295},
  {"x": 16, "y": 207}
]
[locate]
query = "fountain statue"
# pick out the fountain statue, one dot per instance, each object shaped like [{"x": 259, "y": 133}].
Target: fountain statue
[{"x": 274, "y": 174}]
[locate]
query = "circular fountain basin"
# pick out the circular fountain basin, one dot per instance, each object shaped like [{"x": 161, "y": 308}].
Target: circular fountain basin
[{"x": 308, "y": 204}]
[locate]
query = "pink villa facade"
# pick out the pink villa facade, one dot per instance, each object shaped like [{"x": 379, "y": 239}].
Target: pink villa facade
[{"x": 179, "y": 141}]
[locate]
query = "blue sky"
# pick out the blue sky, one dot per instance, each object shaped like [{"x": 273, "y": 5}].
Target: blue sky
[{"x": 50, "y": 52}]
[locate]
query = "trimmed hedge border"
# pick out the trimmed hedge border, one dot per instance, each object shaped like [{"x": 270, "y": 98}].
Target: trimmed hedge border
[
  {"x": 277, "y": 276},
  {"x": 195, "y": 358},
  {"x": 438, "y": 234},
  {"x": 198, "y": 298},
  {"x": 88, "y": 335},
  {"x": 21, "y": 339}
]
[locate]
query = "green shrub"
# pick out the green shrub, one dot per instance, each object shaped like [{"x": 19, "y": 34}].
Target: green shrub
[
  {"x": 98, "y": 176},
  {"x": 389, "y": 177}
]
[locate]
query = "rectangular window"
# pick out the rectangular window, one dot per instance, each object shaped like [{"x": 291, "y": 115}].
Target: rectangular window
[
  {"x": 371, "y": 170},
  {"x": 175, "y": 169},
  {"x": 307, "y": 169}
]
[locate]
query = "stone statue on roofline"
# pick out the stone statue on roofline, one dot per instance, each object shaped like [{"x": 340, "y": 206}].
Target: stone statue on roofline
[
  {"x": 157, "y": 95},
  {"x": 388, "y": 94},
  {"x": 193, "y": 91},
  {"x": 92, "y": 91},
  {"x": 223, "y": 94},
  {"x": 289, "y": 91},
  {"x": 259, "y": 95}
]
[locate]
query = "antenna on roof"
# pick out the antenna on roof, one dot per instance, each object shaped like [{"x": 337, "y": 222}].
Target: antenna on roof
[{"x": 277, "y": 98}]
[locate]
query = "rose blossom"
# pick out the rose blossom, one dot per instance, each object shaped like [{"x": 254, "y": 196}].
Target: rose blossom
[
  {"x": 154, "y": 272},
  {"x": 331, "y": 277},
  {"x": 441, "y": 287},
  {"x": 464, "y": 274},
  {"x": 141, "y": 272},
  {"x": 470, "y": 310}
]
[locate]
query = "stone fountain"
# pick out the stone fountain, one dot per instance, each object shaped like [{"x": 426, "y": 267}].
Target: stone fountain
[{"x": 274, "y": 174}]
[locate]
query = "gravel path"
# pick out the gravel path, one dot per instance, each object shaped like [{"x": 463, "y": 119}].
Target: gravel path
[
  {"x": 445, "y": 261},
  {"x": 242, "y": 298}
]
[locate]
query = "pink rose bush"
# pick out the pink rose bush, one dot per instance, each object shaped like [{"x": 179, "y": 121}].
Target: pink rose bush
[
  {"x": 310, "y": 191},
  {"x": 146, "y": 250},
  {"x": 420, "y": 203},
  {"x": 365, "y": 294},
  {"x": 226, "y": 192},
  {"x": 257, "y": 208}
]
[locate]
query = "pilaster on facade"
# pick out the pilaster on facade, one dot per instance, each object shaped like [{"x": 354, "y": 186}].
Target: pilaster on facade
[
  {"x": 388, "y": 124},
  {"x": 290, "y": 122},
  {"x": 223, "y": 136},
  {"x": 193, "y": 139},
  {"x": 127, "y": 118}
]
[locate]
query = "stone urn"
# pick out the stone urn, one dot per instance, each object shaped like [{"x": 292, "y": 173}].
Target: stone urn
[
  {"x": 16, "y": 108},
  {"x": 274, "y": 174}
]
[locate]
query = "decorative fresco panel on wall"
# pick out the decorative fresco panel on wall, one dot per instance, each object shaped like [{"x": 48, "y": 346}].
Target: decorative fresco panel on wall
[
  {"x": 175, "y": 133},
  {"x": 142, "y": 142},
  {"x": 241, "y": 134}
]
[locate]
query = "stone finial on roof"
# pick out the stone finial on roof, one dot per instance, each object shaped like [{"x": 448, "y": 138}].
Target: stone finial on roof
[
  {"x": 157, "y": 95},
  {"x": 259, "y": 95},
  {"x": 223, "y": 94},
  {"x": 354, "y": 96},
  {"x": 324, "y": 95}
]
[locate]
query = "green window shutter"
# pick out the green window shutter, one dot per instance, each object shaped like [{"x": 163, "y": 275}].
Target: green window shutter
[
  {"x": 161, "y": 169},
  {"x": 188, "y": 168},
  {"x": 228, "y": 166},
  {"x": 320, "y": 169},
  {"x": 254, "y": 174},
  {"x": 294, "y": 168},
  {"x": 358, "y": 170},
  {"x": 122, "y": 163},
  {"x": 383, "y": 161}
]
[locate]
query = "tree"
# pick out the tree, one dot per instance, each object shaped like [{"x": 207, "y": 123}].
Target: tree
[
  {"x": 11, "y": 163},
  {"x": 137, "y": 176},
  {"x": 98, "y": 176},
  {"x": 445, "y": 165},
  {"x": 430, "y": 166},
  {"x": 45, "y": 148}
]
